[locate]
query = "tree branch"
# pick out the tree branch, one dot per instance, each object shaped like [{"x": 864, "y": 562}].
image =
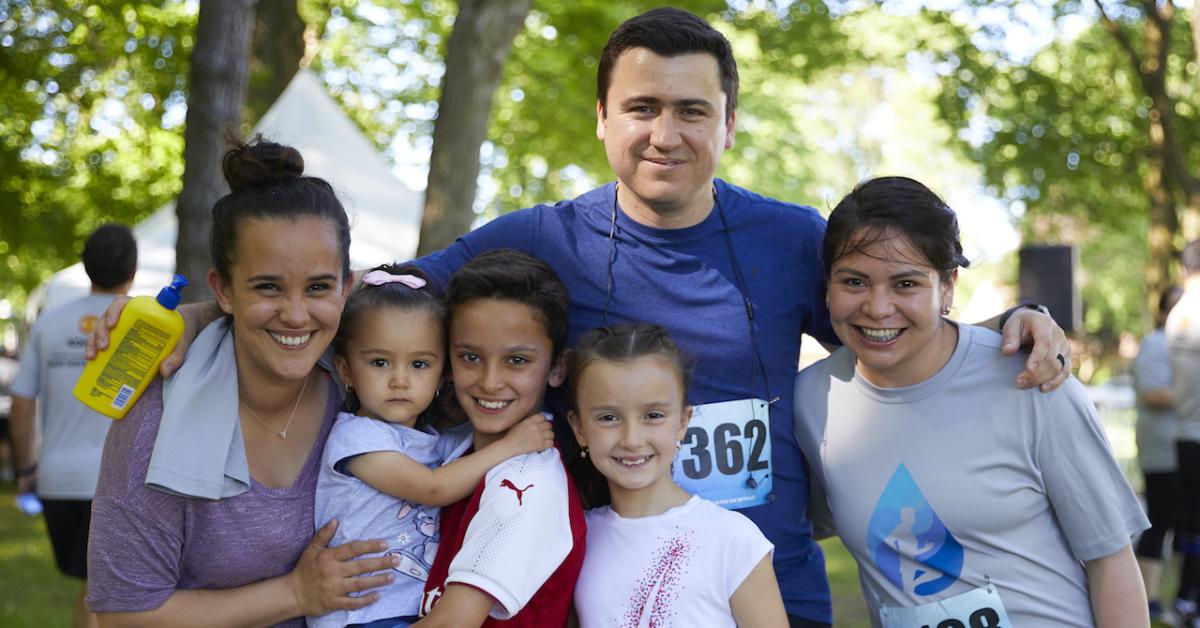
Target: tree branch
[{"x": 1122, "y": 38}]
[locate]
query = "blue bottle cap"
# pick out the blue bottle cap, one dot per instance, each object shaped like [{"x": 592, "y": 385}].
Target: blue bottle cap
[{"x": 169, "y": 296}]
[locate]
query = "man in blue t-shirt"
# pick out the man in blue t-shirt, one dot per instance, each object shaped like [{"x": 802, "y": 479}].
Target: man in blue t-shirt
[{"x": 735, "y": 277}]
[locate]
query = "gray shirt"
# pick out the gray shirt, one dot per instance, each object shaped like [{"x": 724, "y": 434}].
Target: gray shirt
[
  {"x": 1156, "y": 427},
  {"x": 964, "y": 481},
  {"x": 72, "y": 435},
  {"x": 1183, "y": 336}
]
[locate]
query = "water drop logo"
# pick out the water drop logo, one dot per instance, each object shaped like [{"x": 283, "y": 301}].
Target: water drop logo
[{"x": 909, "y": 543}]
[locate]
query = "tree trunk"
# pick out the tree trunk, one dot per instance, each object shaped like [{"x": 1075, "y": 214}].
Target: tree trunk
[
  {"x": 1195, "y": 20},
  {"x": 1164, "y": 224},
  {"x": 1169, "y": 173},
  {"x": 1153, "y": 71},
  {"x": 478, "y": 47},
  {"x": 216, "y": 94},
  {"x": 277, "y": 50}
]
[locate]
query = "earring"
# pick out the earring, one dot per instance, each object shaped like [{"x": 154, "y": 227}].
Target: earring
[
  {"x": 228, "y": 308},
  {"x": 349, "y": 389},
  {"x": 945, "y": 310},
  {"x": 583, "y": 451}
]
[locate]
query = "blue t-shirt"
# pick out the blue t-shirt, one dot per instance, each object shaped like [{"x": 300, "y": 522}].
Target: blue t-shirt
[{"x": 685, "y": 280}]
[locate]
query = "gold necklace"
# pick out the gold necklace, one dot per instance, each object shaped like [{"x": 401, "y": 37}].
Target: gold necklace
[{"x": 281, "y": 433}]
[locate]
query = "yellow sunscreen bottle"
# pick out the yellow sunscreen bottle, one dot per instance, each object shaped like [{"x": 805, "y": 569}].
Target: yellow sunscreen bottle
[{"x": 146, "y": 332}]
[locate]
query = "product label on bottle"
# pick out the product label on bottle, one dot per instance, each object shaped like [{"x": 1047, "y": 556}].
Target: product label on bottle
[{"x": 130, "y": 362}]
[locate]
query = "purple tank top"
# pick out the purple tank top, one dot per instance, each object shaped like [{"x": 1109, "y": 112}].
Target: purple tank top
[{"x": 145, "y": 544}]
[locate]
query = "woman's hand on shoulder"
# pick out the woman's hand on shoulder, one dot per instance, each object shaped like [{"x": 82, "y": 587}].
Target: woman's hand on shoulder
[{"x": 326, "y": 576}]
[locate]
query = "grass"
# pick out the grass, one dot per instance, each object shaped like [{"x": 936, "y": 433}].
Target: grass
[
  {"x": 849, "y": 609},
  {"x": 32, "y": 591}
]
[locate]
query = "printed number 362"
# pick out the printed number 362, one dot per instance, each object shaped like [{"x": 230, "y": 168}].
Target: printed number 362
[{"x": 725, "y": 448}]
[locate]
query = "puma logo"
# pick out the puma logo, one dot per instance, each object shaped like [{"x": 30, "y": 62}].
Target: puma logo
[{"x": 519, "y": 491}]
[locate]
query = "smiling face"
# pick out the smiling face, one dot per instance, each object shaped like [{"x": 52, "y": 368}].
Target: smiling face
[
  {"x": 286, "y": 295},
  {"x": 393, "y": 358},
  {"x": 501, "y": 360},
  {"x": 885, "y": 303},
  {"x": 664, "y": 129},
  {"x": 630, "y": 415}
]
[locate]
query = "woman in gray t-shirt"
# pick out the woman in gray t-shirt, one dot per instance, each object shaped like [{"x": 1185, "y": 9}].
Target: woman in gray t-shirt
[{"x": 965, "y": 500}]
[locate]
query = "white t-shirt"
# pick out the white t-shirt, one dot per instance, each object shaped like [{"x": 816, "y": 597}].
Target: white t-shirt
[
  {"x": 72, "y": 434},
  {"x": 964, "y": 482},
  {"x": 1183, "y": 336},
  {"x": 678, "y": 568}
]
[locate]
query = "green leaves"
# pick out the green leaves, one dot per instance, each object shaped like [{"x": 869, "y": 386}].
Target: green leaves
[
  {"x": 89, "y": 126},
  {"x": 1065, "y": 137}
]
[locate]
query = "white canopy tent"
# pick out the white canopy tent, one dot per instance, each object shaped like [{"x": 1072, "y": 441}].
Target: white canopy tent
[{"x": 385, "y": 215}]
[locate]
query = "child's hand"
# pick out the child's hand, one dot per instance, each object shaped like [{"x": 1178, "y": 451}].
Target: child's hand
[{"x": 532, "y": 434}]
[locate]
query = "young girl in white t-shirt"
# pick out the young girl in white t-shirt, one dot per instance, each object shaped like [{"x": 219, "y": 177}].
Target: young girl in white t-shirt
[
  {"x": 387, "y": 469},
  {"x": 656, "y": 555}
]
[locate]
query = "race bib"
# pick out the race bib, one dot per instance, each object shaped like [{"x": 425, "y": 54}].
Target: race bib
[
  {"x": 726, "y": 453},
  {"x": 978, "y": 608}
]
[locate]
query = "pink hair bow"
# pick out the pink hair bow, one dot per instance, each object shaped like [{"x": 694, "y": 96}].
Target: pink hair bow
[{"x": 380, "y": 277}]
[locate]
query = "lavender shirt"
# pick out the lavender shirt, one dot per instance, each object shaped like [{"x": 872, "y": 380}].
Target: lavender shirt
[{"x": 146, "y": 544}]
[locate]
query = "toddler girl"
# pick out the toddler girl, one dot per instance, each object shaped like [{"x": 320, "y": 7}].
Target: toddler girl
[
  {"x": 387, "y": 468},
  {"x": 656, "y": 555}
]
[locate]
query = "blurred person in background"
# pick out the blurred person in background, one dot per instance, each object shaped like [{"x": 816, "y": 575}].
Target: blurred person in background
[
  {"x": 64, "y": 468},
  {"x": 1183, "y": 338},
  {"x": 1156, "y": 430},
  {"x": 8, "y": 372}
]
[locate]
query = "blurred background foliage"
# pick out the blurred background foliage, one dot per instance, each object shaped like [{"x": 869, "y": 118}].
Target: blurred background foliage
[
  {"x": 1029, "y": 116},
  {"x": 85, "y": 134}
]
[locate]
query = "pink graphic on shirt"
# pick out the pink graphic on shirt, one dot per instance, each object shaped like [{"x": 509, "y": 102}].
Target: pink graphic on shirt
[
  {"x": 519, "y": 491},
  {"x": 654, "y": 595}
]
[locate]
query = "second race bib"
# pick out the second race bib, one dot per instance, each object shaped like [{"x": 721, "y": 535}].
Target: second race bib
[{"x": 977, "y": 608}]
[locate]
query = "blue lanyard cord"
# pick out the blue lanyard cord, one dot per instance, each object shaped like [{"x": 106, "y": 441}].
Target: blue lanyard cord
[{"x": 612, "y": 253}]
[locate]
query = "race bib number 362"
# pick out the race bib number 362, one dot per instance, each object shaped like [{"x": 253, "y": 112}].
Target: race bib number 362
[{"x": 726, "y": 453}]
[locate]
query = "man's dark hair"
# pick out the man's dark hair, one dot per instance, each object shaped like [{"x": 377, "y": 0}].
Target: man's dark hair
[
  {"x": 1191, "y": 257},
  {"x": 512, "y": 275},
  {"x": 669, "y": 32},
  {"x": 110, "y": 256}
]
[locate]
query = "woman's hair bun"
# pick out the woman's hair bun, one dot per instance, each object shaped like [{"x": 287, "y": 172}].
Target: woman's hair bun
[{"x": 260, "y": 162}]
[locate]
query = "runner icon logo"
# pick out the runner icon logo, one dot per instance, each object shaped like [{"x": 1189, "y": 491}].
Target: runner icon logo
[{"x": 909, "y": 543}]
